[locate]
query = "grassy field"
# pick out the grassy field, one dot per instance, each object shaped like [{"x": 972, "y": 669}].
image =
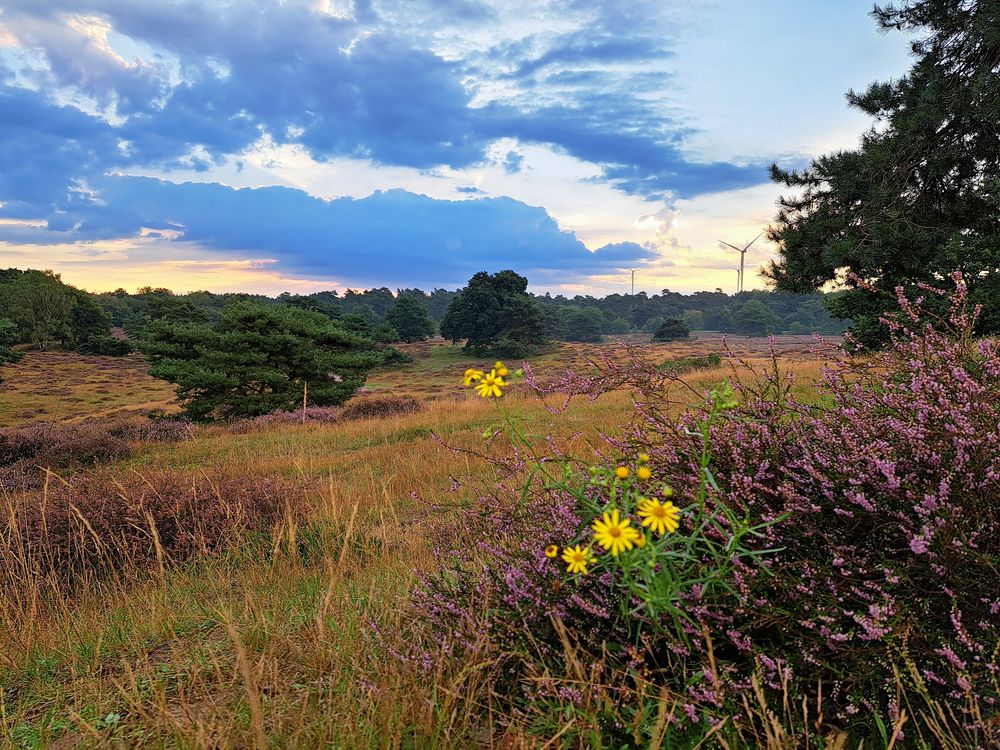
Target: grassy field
[
  {"x": 270, "y": 644},
  {"x": 68, "y": 387}
]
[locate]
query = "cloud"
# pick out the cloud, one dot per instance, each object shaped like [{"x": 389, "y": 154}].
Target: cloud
[
  {"x": 393, "y": 237},
  {"x": 185, "y": 85}
]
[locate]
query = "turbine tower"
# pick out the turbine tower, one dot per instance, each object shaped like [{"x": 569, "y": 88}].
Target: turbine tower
[
  {"x": 633, "y": 279},
  {"x": 743, "y": 254}
]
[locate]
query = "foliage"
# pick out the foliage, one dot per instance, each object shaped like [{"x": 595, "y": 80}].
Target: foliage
[
  {"x": 874, "y": 551},
  {"x": 259, "y": 360},
  {"x": 380, "y": 407},
  {"x": 105, "y": 346},
  {"x": 920, "y": 196},
  {"x": 671, "y": 329},
  {"x": 410, "y": 318},
  {"x": 582, "y": 324},
  {"x": 495, "y": 315},
  {"x": 683, "y": 365},
  {"x": 8, "y": 336},
  {"x": 41, "y": 306},
  {"x": 755, "y": 319}
]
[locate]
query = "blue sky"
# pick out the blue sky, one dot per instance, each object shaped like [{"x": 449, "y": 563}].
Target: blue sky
[{"x": 316, "y": 144}]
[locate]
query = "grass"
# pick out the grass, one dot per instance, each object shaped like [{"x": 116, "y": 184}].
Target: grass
[
  {"x": 270, "y": 645},
  {"x": 68, "y": 387}
]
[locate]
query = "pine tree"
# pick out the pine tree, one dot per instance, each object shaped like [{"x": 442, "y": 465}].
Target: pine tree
[
  {"x": 258, "y": 360},
  {"x": 920, "y": 196},
  {"x": 410, "y": 319}
]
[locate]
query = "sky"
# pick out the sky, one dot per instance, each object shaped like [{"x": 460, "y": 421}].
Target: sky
[{"x": 304, "y": 145}]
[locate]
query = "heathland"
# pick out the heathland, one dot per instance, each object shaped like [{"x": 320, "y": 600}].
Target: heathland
[{"x": 808, "y": 563}]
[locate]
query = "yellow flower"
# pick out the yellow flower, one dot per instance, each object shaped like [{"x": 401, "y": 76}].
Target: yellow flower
[
  {"x": 643, "y": 473},
  {"x": 490, "y": 385},
  {"x": 641, "y": 541},
  {"x": 551, "y": 551},
  {"x": 644, "y": 458},
  {"x": 621, "y": 472},
  {"x": 577, "y": 559},
  {"x": 471, "y": 376},
  {"x": 615, "y": 534},
  {"x": 663, "y": 518},
  {"x": 501, "y": 369}
]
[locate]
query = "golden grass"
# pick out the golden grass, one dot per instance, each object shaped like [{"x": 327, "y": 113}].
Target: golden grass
[{"x": 68, "y": 387}]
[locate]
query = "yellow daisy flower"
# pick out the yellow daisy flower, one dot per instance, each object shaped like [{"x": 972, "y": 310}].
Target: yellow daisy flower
[
  {"x": 577, "y": 559},
  {"x": 490, "y": 385},
  {"x": 643, "y": 473},
  {"x": 663, "y": 518},
  {"x": 551, "y": 551},
  {"x": 501, "y": 369},
  {"x": 472, "y": 376},
  {"x": 615, "y": 534},
  {"x": 621, "y": 472},
  {"x": 641, "y": 541},
  {"x": 644, "y": 458}
]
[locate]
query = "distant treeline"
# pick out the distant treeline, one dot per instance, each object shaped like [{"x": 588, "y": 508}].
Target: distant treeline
[
  {"x": 37, "y": 308},
  {"x": 580, "y": 318}
]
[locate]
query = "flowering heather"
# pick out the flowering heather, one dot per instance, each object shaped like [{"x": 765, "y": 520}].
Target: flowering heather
[
  {"x": 98, "y": 522},
  {"x": 379, "y": 407},
  {"x": 883, "y": 506}
]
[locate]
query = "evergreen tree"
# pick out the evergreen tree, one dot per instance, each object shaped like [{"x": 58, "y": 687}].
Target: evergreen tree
[
  {"x": 920, "y": 196},
  {"x": 494, "y": 314},
  {"x": 754, "y": 318},
  {"x": 410, "y": 318},
  {"x": 257, "y": 361},
  {"x": 671, "y": 329},
  {"x": 583, "y": 324}
]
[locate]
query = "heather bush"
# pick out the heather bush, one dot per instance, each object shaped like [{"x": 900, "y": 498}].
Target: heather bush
[
  {"x": 684, "y": 365},
  {"x": 876, "y": 598},
  {"x": 313, "y": 415},
  {"x": 378, "y": 407},
  {"x": 98, "y": 522},
  {"x": 27, "y": 452}
]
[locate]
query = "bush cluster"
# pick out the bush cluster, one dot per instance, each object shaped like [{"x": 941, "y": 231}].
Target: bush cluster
[
  {"x": 26, "y": 452},
  {"x": 97, "y": 522},
  {"x": 881, "y": 517},
  {"x": 379, "y": 407}
]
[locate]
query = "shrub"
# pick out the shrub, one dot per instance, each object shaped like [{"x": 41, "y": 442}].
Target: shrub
[
  {"x": 671, "y": 329},
  {"x": 878, "y": 521},
  {"x": 100, "y": 522},
  {"x": 149, "y": 430},
  {"x": 106, "y": 346},
  {"x": 682, "y": 365},
  {"x": 313, "y": 415},
  {"x": 23, "y": 450},
  {"x": 378, "y": 407}
]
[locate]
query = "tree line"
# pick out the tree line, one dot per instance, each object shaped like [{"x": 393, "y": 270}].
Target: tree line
[{"x": 414, "y": 314}]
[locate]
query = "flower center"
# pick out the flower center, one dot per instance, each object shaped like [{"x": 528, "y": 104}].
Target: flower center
[{"x": 614, "y": 531}]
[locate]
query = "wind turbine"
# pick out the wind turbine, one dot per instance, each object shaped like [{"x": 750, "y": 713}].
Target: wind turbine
[
  {"x": 743, "y": 253},
  {"x": 633, "y": 279}
]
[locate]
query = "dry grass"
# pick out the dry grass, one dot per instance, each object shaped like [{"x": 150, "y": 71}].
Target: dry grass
[{"x": 68, "y": 387}]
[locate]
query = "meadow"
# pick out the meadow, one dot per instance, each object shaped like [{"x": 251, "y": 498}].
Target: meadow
[{"x": 268, "y": 585}]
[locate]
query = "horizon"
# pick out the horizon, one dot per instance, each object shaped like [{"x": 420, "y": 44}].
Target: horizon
[{"x": 308, "y": 146}]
